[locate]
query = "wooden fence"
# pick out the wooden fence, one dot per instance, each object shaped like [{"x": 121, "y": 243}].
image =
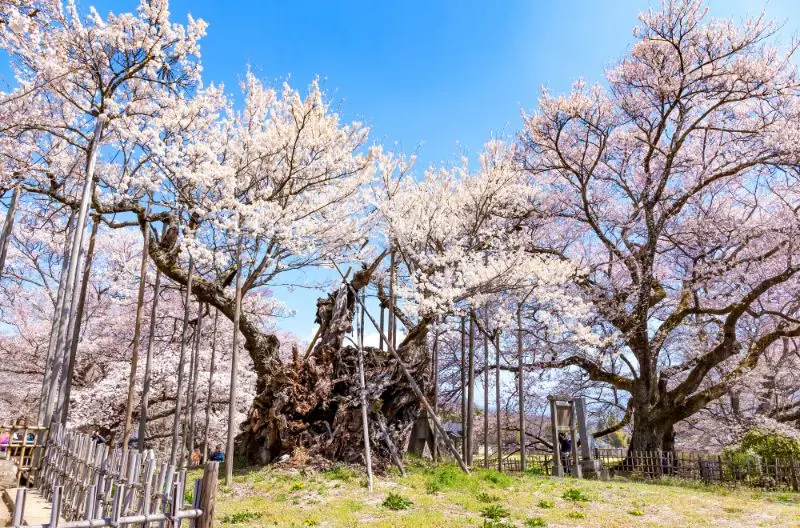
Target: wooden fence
[
  {"x": 750, "y": 470},
  {"x": 690, "y": 465},
  {"x": 91, "y": 485},
  {"x": 22, "y": 444}
]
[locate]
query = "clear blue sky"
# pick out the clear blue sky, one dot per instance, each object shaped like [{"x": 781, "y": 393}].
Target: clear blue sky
[{"x": 438, "y": 75}]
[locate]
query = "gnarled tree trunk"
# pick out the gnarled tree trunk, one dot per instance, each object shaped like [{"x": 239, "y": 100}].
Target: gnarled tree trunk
[{"x": 311, "y": 408}]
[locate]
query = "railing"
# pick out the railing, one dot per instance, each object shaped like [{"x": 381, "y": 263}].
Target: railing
[
  {"x": 92, "y": 485},
  {"x": 709, "y": 468},
  {"x": 22, "y": 444}
]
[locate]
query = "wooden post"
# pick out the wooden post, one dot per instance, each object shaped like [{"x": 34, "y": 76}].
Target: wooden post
[
  {"x": 208, "y": 495},
  {"x": 471, "y": 390},
  {"x": 392, "y": 318},
  {"x": 174, "y": 457},
  {"x": 363, "y": 394},
  {"x": 56, "y": 323},
  {"x": 192, "y": 400},
  {"x": 521, "y": 390},
  {"x": 497, "y": 401},
  {"x": 210, "y": 384},
  {"x": 137, "y": 335},
  {"x": 55, "y": 511},
  {"x": 390, "y": 444},
  {"x": 558, "y": 469},
  {"x": 435, "y": 449},
  {"x": 463, "y": 387},
  {"x": 234, "y": 365},
  {"x": 148, "y": 365},
  {"x": 66, "y": 321},
  {"x": 19, "y": 507},
  {"x": 486, "y": 394}
]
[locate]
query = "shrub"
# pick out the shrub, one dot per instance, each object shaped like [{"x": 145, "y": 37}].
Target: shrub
[
  {"x": 766, "y": 444},
  {"x": 576, "y": 515},
  {"x": 545, "y": 504},
  {"x": 340, "y": 472},
  {"x": 395, "y": 501},
  {"x": 500, "y": 480},
  {"x": 575, "y": 495},
  {"x": 494, "y": 512},
  {"x": 446, "y": 477},
  {"x": 487, "y": 497},
  {"x": 240, "y": 517},
  {"x": 534, "y": 522},
  {"x": 636, "y": 513}
]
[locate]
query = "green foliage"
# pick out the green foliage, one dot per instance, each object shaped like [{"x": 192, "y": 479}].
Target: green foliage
[
  {"x": 576, "y": 515},
  {"x": 500, "y": 480},
  {"x": 240, "y": 517},
  {"x": 340, "y": 472},
  {"x": 188, "y": 496},
  {"x": 575, "y": 495},
  {"x": 534, "y": 522},
  {"x": 636, "y": 513},
  {"x": 766, "y": 444},
  {"x": 297, "y": 486},
  {"x": 444, "y": 477},
  {"x": 545, "y": 504},
  {"x": 487, "y": 497},
  {"x": 494, "y": 512},
  {"x": 395, "y": 501}
]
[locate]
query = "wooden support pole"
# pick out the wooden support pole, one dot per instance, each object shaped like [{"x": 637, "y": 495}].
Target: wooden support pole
[
  {"x": 497, "y": 401},
  {"x": 174, "y": 457},
  {"x": 363, "y": 394},
  {"x": 143, "y": 409},
  {"x": 463, "y": 387},
  {"x": 75, "y": 331},
  {"x": 208, "y": 495},
  {"x": 137, "y": 335},
  {"x": 435, "y": 368},
  {"x": 414, "y": 385},
  {"x": 192, "y": 401},
  {"x": 234, "y": 365},
  {"x": 486, "y": 394},
  {"x": 521, "y": 390},
  {"x": 210, "y": 384},
  {"x": 66, "y": 320},
  {"x": 471, "y": 391},
  {"x": 49, "y": 358}
]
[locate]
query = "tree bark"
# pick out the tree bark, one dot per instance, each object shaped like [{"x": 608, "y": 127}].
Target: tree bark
[
  {"x": 312, "y": 411},
  {"x": 7, "y": 228}
]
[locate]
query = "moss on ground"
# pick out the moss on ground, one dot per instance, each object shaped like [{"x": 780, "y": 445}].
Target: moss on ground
[{"x": 444, "y": 497}]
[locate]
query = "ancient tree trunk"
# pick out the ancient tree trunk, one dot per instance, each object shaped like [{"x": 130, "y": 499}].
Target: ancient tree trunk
[
  {"x": 310, "y": 408},
  {"x": 651, "y": 431}
]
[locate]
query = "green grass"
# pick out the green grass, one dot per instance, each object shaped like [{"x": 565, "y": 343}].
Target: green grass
[{"x": 444, "y": 497}]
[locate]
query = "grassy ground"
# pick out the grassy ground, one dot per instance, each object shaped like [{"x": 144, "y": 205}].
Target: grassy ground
[{"x": 444, "y": 497}]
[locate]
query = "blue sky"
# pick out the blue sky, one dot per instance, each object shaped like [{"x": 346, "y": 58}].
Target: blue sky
[{"x": 437, "y": 76}]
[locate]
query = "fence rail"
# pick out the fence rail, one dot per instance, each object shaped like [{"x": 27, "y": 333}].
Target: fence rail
[
  {"x": 22, "y": 444},
  {"x": 91, "y": 485},
  {"x": 689, "y": 465}
]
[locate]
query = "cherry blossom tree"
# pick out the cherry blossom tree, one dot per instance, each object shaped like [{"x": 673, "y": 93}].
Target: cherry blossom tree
[{"x": 678, "y": 185}]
